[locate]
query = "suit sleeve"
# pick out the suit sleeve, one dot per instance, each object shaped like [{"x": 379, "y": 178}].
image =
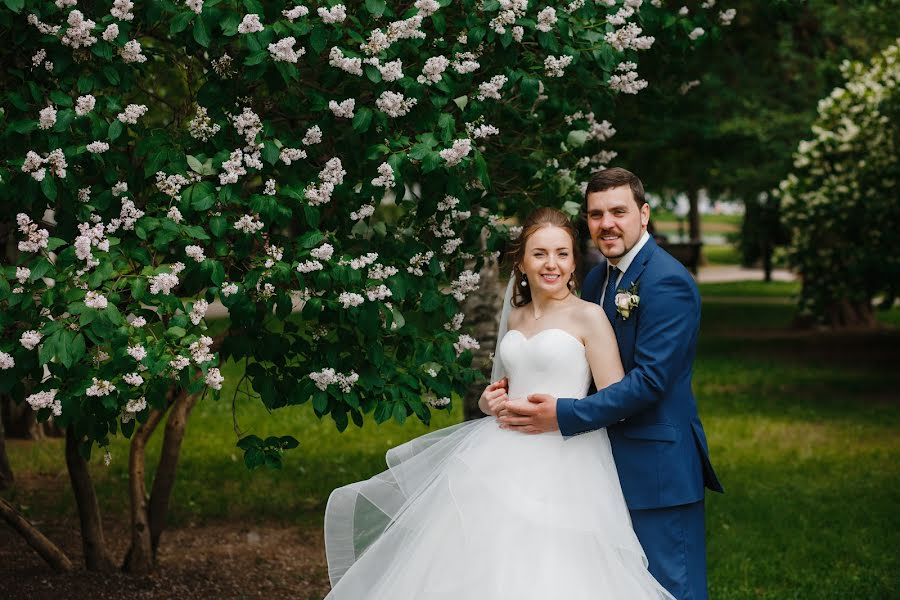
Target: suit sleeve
[{"x": 668, "y": 318}]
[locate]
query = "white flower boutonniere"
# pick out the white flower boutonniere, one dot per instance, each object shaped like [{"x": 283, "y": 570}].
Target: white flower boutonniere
[{"x": 627, "y": 300}]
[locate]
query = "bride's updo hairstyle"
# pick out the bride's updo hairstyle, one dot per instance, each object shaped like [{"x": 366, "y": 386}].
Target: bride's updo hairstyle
[{"x": 540, "y": 218}]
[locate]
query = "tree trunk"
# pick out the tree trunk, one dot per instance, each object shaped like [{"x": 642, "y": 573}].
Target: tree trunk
[
  {"x": 139, "y": 559},
  {"x": 164, "y": 479},
  {"x": 96, "y": 555},
  {"x": 694, "y": 216},
  {"x": 6, "y": 474},
  {"x": 844, "y": 314},
  {"x": 47, "y": 550},
  {"x": 482, "y": 310},
  {"x": 767, "y": 259},
  {"x": 21, "y": 422}
]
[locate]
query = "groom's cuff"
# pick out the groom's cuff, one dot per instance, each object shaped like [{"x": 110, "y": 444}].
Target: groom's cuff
[{"x": 565, "y": 417}]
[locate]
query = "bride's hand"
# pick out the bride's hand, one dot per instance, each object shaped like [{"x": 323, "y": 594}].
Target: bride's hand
[{"x": 494, "y": 397}]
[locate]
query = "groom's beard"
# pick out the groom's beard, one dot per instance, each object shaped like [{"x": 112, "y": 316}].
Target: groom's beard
[{"x": 616, "y": 251}]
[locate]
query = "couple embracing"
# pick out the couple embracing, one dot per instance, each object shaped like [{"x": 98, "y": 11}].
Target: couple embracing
[{"x": 563, "y": 493}]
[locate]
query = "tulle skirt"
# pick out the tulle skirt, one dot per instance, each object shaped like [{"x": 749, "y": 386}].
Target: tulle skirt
[{"x": 475, "y": 512}]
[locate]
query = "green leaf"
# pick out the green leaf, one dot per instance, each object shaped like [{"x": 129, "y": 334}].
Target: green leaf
[
  {"x": 376, "y": 7},
  {"x": 249, "y": 441},
  {"x": 318, "y": 39},
  {"x": 312, "y": 308},
  {"x": 61, "y": 98},
  {"x": 310, "y": 239},
  {"x": 447, "y": 125},
  {"x": 430, "y": 300},
  {"x": 14, "y": 5},
  {"x": 288, "y": 442},
  {"x": 373, "y": 74},
  {"x": 376, "y": 151},
  {"x": 400, "y": 412},
  {"x": 176, "y": 332},
  {"x": 128, "y": 428},
  {"x": 363, "y": 119},
  {"x": 461, "y": 102},
  {"x": 48, "y": 186},
  {"x": 254, "y": 458},
  {"x": 194, "y": 164},
  {"x": 85, "y": 84},
  {"x": 201, "y": 195},
  {"x": 320, "y": 402},
  {"x": 218, "y": 225},
  {"x": 138, "y": 287},
  {"x": 256, "y": 58},
  {"x": 431, "y": 161},
  {"x": 111, "y": 74},
  {"x": 273, "y": 460},
  {"x": 115, "y": 130},
  {"x": 312, "y": 215},
  {"x": 218, "y": 273},
  {"x": 181, "y": 21},
  {"x": 54, "y": 243},
  {"x": 201, "y": 32}
]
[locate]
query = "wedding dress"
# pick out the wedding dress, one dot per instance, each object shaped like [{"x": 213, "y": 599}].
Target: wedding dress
[{"x": 475, "y": 512}]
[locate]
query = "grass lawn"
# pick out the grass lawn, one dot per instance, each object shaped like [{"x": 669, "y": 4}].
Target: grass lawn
[
  {"x": 721, "y": 254},
  {"x": 770, "y": 289},
  {"x": 803, "y": 430}
]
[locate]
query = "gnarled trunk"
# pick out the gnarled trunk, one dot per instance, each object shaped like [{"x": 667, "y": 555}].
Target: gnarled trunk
[
  {"x": 96, "y": 555},
  {"x": 47, "y": 550},
  {"x": 6, "y": 474},
  {"x": 844, "y": 314},
  {"x": 139, "y": 558},
  {"x": 164, "y": 480}
]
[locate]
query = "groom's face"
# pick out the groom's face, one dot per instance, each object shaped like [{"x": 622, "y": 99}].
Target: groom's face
[{"x": 615, "y": 221}]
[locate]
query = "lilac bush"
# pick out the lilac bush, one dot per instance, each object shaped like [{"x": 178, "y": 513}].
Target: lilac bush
[{"x": 334, "y": 175}]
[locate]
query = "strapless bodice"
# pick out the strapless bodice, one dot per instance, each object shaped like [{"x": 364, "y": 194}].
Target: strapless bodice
[{"x": 551, "y": 361}]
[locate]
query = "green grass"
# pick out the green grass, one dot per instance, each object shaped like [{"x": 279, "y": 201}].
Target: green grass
[
  {"x": 803, "y": 431},
  {"x": 724, "y": 254},
  {"x": 663, "y": 216},
  {"x": 770, "y": 289}
]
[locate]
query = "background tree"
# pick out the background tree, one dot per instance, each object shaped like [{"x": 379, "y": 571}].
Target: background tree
[
  {"x": 840, "y": 201},
  {"x": 728, "y": 116}
]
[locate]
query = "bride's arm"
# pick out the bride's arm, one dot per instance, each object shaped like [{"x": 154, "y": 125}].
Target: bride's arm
[{"x": 601, "y": 348}]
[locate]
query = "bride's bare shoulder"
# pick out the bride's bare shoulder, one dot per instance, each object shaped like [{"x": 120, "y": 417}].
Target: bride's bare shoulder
[
  {"x": 515, "y": 317},
  {"x": 591, "y": 317}
]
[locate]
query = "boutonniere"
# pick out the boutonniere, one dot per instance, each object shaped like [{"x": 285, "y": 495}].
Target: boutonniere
[{"x": 627, "y": 300}]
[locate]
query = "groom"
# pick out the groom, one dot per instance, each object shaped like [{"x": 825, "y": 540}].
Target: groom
[{"x": 651, "y": 416}]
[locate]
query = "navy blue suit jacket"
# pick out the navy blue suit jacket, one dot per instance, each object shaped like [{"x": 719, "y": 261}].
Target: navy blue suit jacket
[{"x": 651, "y": 415}]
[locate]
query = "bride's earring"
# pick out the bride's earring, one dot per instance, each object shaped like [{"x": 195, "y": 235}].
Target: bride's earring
[{"x": 524, "y": 282}]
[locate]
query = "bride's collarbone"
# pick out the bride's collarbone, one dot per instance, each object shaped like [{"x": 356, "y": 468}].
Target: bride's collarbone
[{"x": 564, "y": 319}]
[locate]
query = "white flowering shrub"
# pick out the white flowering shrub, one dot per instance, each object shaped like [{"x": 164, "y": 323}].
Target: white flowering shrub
[
  {"x": 341, "y": 161},
  {"x": 841, "y": 203}
]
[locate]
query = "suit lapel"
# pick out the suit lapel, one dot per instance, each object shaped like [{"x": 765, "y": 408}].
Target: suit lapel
[{"x": 638, "y": 265}]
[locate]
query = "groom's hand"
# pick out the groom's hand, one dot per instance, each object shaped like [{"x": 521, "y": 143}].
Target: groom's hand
[{"x": 535, "y": 414}]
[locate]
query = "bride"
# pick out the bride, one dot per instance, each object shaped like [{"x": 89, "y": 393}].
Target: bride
[{"x": 477, "y": 512}]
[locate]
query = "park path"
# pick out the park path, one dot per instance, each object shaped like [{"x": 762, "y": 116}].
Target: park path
[{"x": 729, "y": 273}]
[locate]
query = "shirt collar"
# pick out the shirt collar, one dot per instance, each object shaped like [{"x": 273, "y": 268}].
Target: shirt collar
[{"x": 629, "y": 257}]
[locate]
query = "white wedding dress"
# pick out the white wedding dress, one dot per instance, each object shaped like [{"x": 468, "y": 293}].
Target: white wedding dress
[{"x": 475, "y": 512}]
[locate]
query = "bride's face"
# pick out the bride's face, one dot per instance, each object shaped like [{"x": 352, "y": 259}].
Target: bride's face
[{"x": 549, "y": 261}]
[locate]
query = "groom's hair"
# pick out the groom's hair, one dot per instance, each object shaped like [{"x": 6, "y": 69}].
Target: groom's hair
[{"x": 614, "y": 177}]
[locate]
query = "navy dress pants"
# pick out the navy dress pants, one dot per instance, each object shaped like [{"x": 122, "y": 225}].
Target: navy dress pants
[{"x": 674, "y": 539}]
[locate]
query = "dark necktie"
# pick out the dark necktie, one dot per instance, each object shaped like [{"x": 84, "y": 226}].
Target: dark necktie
[{"x": 609, "y": 299}]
